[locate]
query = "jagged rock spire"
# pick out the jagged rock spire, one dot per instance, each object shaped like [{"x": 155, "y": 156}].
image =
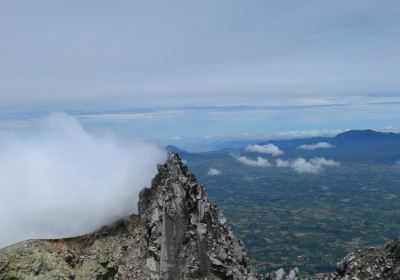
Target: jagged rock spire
[{"x": 184, "y": 236}]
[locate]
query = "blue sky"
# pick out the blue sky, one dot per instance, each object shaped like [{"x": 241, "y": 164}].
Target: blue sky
[{"x": 192, "y": 69}]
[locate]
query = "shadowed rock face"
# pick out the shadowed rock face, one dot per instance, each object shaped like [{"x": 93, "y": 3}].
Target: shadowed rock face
[{"x": 184, "y": 236}]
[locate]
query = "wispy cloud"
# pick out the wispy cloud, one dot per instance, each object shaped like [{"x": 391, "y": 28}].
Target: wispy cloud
[
  {"x": 314, "y": 146},
  {"x": 265, "y": 149},
  {"x": 126, "y": 116},
  {"x": 258, "y": 162},
  {"x": 213, "y": 172},
  {"x": 306, "y": 133}
]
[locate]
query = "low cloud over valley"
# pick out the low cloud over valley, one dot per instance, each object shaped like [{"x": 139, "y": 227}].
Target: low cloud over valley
[
  {"x": 315, "y": 146},
  {"x": 258, "y": 162},
  {"x": 300, "y": 165},
  {"x": 61, "y": 181},
  {"x": 213, "y": 172},
  {"x": 265, "y": 149}
]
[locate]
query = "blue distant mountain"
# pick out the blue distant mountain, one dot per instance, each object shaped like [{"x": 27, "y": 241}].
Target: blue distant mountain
[
  {"x": 364, "y": 145},
  {"x": 367, "y": 135},
  {"x": 351, "y": 145}
]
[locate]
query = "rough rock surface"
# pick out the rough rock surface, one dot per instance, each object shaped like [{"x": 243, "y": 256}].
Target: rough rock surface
[
  {"x": 178, "y": 234},
  {"x": 111, "y": 253},
  {"x": 368, "y": 264},
  {"x": 184, "y": 236}
]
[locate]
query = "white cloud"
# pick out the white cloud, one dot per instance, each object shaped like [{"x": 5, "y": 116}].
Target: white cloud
[
  {"x": 60, "y": 181},
  {"x": 259, "y": 162},
  {"x": 324, "y": 162},
  {"x": 302, "y": 165},
  {"x": 265, "y": 149},
  {"x": 314, "y": 146},
  {"x": 282, "y": 163},
  {"x": 213, "y": 172}
]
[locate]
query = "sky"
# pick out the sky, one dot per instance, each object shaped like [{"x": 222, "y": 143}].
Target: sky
[{"x": 173, "y": 70}]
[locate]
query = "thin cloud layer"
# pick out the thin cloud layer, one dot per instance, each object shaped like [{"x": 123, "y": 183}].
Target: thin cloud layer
[
  {"x": 61, "y": 181},
  {"x": 162, "y": 63},
  {"x": 315, "y": 146},
  {"x": 265, "y": 149},
  {"x": 213, "y": 172},
  {"x": 258, "y": 162},
  {"x": 302, "y": 165}
]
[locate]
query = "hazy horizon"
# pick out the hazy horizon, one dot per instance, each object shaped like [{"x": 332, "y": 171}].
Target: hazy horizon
[
  {"x": 250, "y": 93},
  {"x": 206, "y": 70}
]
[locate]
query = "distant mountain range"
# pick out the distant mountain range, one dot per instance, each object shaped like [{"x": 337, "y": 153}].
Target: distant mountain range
[{"x": 352, "y": 145}]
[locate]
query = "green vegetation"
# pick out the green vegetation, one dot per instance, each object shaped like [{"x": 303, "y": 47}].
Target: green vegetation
[{"x": 311, "y": 221}]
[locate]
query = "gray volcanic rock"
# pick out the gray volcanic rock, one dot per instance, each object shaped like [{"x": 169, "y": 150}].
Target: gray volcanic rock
[
  {"x": 184, "y": 236},
  {"x": 178, "y": 235},
  {"x": 110, "y": 253},
  {"x": 368, "y": 264}
]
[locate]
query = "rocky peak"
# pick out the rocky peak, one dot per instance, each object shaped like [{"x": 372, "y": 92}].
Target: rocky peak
[
  {"x": 178, "y": 234},
  {"x": 183, "y": 235}
]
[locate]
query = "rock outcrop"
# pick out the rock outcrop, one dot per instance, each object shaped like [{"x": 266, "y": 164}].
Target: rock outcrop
[
  {"x": 184, "y": 236},
  {"x": 381, "y": 263},
  {"x": 110, "y": 253},
  {"x": 178, "y": 234}
]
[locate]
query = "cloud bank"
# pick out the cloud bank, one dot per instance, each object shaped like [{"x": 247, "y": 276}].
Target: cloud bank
[
  {"x": 265, "y": 149},
  {"x": 61, "y": 181},
  {"x": 314, "y": 146},
  {"x": 301, "y": 165},
  {"x": 259, "y": 162},
  {"x": 213, "y": 172}
]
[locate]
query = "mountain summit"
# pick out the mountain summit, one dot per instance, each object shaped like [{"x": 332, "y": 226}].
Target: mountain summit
[
  {"x": 178, "y": 234},
  {"x": 184, "y": 236}
]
